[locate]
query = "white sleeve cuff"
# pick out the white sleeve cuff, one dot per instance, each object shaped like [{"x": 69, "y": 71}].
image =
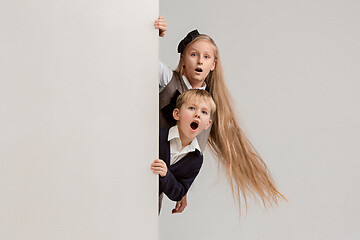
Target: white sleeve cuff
[{"x": 165, "y": 75}]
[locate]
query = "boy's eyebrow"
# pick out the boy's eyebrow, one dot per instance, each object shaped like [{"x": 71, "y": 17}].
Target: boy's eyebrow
[{"x": 206, "y": 108}]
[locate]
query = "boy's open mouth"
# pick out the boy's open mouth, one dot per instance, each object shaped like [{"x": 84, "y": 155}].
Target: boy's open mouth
[
  {"x": 198, "y": 70},
  {"x": 194, "y": 125}
]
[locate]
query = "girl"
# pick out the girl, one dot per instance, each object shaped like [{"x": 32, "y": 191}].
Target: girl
[{"x": 200, "y": 67}]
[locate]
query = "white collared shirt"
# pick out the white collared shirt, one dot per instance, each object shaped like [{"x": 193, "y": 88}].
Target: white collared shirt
[
  {"x": 176, "y": 154},
  {"x": 165, "y": 75}
]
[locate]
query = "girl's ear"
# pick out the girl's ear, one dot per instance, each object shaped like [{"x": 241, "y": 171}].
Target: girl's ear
[
  {"x": 176, "y": 114},
  {"x": 182, "y": 60},
  {"x": 209, "y": 124},
  {"x": 213, "y": 66}
]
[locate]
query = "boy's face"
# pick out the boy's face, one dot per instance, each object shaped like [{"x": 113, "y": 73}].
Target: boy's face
[
  {"x": 193, "y": 117},
  {"x": 199, "y": 60}
]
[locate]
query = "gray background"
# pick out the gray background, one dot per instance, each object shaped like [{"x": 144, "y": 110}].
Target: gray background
[
  {"x": 78, "y": 126},
  {"x": 293, "y": 69}
]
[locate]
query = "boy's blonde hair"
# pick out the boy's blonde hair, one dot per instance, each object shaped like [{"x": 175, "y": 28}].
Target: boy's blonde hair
[{"x": 246, "y": 170}]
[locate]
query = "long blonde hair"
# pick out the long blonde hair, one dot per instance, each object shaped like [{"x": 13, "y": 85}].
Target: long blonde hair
[{"x": 245, "y": 169}]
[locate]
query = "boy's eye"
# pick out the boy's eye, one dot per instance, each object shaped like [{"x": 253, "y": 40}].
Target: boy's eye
[
  {"x": 207, "y": 56},
  {"x": 191, "y": 108},
  {"x": 193, "y": 54},
  {"x": 204, "y": 112}
]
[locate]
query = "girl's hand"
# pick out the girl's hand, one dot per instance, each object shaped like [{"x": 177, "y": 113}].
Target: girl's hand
[
  {"x": 161, "y": 24},
  {"x": 159, "y": 167}
]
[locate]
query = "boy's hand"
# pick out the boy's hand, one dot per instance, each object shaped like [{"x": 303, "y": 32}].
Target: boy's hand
[
  {"x": 161, "y": 24},
  {"x": 159, "y": 167},
  {"x": 180, "y": 206}
]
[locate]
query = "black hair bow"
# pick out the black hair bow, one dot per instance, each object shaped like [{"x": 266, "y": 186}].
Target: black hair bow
[{"x": 191, "y": 36}]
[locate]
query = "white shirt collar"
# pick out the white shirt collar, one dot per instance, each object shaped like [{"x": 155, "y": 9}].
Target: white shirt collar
[
  {"x": 188, "y": 85},
  {"x": 174, "y": 133}
]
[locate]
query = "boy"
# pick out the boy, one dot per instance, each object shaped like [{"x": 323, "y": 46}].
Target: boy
[{"x": 180, "y": 156}]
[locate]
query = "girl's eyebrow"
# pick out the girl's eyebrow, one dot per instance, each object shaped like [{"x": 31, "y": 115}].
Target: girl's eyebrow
[
  {"x": 209, "y": 52},
  {"x": 194, "y": 49}
]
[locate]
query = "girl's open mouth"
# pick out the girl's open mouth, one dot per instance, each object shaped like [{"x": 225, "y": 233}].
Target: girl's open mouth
[
  {"x": 194, "y": 125},
  {"x": 198, "y": 70}
]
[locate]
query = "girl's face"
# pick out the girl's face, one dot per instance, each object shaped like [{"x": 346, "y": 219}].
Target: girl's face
[{"x": 199, "y": 60}]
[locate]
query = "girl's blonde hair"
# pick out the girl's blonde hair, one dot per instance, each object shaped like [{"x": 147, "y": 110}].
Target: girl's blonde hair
[
  {"x": 246, "y": 170},
  {"x": 198, "y": 94}
]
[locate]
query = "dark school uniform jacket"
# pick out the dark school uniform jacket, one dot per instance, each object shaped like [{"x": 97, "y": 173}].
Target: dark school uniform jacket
[
  {"x": 181, "y": 174},
  {"x": 167, "y": 104}
]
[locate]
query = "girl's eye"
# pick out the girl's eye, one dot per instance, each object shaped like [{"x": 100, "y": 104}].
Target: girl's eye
[
  {"x": 207, "y": 56},
  {"x": 204, "y": 112},
  {"x": 193, "y": 54},
  {"x": 191, "y": 108}
]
